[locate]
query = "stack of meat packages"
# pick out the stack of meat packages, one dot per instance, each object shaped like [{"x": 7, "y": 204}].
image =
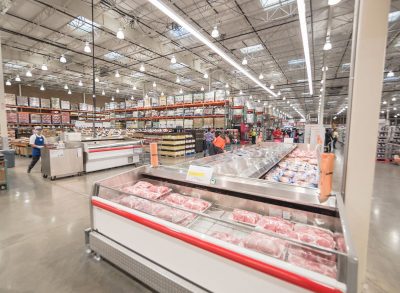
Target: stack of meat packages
[
  {"x": 298, "y": 168},
  {"x": 166, "y": 201},
  {"x": 308, "y": 258}
]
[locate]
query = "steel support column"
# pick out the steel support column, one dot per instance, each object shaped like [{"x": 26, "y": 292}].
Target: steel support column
[{"x": 365, "y": 90}]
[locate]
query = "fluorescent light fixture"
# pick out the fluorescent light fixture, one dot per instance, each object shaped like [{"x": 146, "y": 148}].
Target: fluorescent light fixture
[
  {"x": 333, "y": 2},
  {"x": 162, "y": 93},
  {"x": 66, "y": 86},
  {"x": 390, "y": 74},
  {"x": 384, "y": 102},
  {"x": 251, "y": 49},
  {"x": 132, "y": 98},
  {"x": 134, "y": 87},
  {"x": 279, "y": 93},
  {"x": 328, "y": 45},
  {"x": 202, "y": 88},
  {"x": 44, "y": 67},
  {"x": 173, "y": 59},
  {"x": 272, "y": 87},
  {"x": 284, "y": 98},
  {"x": 226, "y": 85},
  {"x": 214, "y": 33},
  {"x": 80, "y": 83},
  {"x": 142, "y": 68},
  {"x": 205, "y": 75},
  {"x": 69, "y": 92},
  {"x": 178, "y": 80},
  {"x": 42, "y": 88},
  {"x": 120, "y": 34},
  {"x": 112, "y": 98},
  {"x": 87, "y": 48},
  {"x": 103, "y": 92},
  {"x": 96, "y": 79},
  {"x": 261, "y": 76},
  {"x": 117, "y": 90},
  {"x": 240, "y": 92},
  {"x": 394, "y": 99},
  {"x": 63, "y": 59},
  {"x": 325, "y": 68},
  {"x": 395, "y": 108},
  {"x": 170, "y": 13},
  {"x": 181, "y": 91},
  {"x": 17, "y": 78},
  {"x": 154, "y": 84},
  {"x": 117, "y": 74},
  {"x": 301, "y": 7},
  {"x": 28, "y": 73},
  {"x": 244, "y": 61}
]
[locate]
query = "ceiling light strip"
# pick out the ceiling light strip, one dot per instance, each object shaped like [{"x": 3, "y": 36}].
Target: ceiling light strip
[
  {"x": 301, "y": 7},
  {"x": 171, "y": 14}
]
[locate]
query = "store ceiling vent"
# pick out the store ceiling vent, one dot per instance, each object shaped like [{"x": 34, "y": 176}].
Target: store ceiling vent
[
  {"x": 177, "y": 31},
  {"x": 104, "y": 71},
  {"x": 177, "y": 66},
  {"x": 334, "y": 91},
  {"x": 13, "y": 65}
]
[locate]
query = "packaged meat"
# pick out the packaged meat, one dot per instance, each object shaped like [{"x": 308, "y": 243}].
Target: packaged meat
[
  {"x": 312, "y": 239},
  {"x": 284, "y": 179},
  {"x": 227, "y": 237},
  {"x": 315, "y": 255},
  {"x": 142, "y": 184},
  {"x": 266, "y": 244},
  {"x": 246, "y": 217},
  {"x": 313, "y": 266},
  {"x": 159, "y": 189},
  {"x": 325, "y": 233},
  {"x": 275, "y": 224},
  {"x": 196, "y": 204},
  {"x": 340, "y": 243},
  {"x": 175, "y": 199}
]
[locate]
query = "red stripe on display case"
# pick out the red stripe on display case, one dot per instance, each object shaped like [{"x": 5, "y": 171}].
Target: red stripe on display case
[
  {"x": 229, "y": 254},
  {"x": 113, "y": 149}
]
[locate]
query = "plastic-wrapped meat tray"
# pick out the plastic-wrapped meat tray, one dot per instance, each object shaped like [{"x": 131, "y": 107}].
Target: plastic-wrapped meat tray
[{"x": 245, "y": 217}]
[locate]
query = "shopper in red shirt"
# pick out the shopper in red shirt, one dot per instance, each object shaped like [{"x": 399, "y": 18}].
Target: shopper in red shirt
[{"x": 277, "y": 134}]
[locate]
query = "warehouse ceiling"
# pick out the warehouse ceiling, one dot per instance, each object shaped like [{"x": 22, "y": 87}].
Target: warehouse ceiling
[{"x": 265, "y": 32}]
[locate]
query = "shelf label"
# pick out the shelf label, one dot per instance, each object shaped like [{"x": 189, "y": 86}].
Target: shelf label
[{"x": 199, "y": 174}]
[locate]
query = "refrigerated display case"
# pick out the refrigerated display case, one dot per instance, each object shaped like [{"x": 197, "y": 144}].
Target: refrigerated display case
[
  {"x": 294, "y": 164},
  {"x": 104, "y": 154},
  {"x": 230, "y": 235}
]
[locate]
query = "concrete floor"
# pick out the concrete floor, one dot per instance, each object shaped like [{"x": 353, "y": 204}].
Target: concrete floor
[{"x": 42, "y": 243}]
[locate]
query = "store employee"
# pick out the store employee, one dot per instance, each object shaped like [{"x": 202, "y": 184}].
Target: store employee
[{"x": 37, "y": 142}]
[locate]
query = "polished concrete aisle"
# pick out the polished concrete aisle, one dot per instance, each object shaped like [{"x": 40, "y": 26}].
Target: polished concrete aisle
[{"x": 42, "y": 241}]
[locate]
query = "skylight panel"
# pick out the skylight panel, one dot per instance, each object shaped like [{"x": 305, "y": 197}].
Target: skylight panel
[
  {"x": 113, "y": 56},
  {"x": 252, "y": 49},
  {"x": 83, "y": 24}
]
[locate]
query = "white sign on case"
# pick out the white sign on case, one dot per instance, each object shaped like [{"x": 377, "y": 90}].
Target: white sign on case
[{"x": 199, "y": 174}]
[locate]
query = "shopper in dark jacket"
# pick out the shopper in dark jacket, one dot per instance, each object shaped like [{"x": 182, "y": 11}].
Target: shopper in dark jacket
[{"x": 328, "y": 140}]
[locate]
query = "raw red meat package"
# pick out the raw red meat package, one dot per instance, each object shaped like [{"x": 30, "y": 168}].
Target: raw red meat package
[
  {"x": 246, "y": 217},
  {"x": 190, "y": 203},
  {"x": 266, "y": 244},
  {"x": 147, "y": 190},
  {"x": 315, "y": 255},
  {"x": 275, "y": 224},
  {"x": 313, "y": 235},
  {"x": 227, "y": 237},
  {"x": 340, "y": 243},
  {"x": 158, "y": 210},
  {"x": 329, "y": 271}
]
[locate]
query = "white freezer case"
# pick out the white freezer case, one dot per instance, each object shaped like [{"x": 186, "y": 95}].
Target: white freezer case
[
  {"x": 176, "y": 256},
  {"x": 103, "y": 154}
]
